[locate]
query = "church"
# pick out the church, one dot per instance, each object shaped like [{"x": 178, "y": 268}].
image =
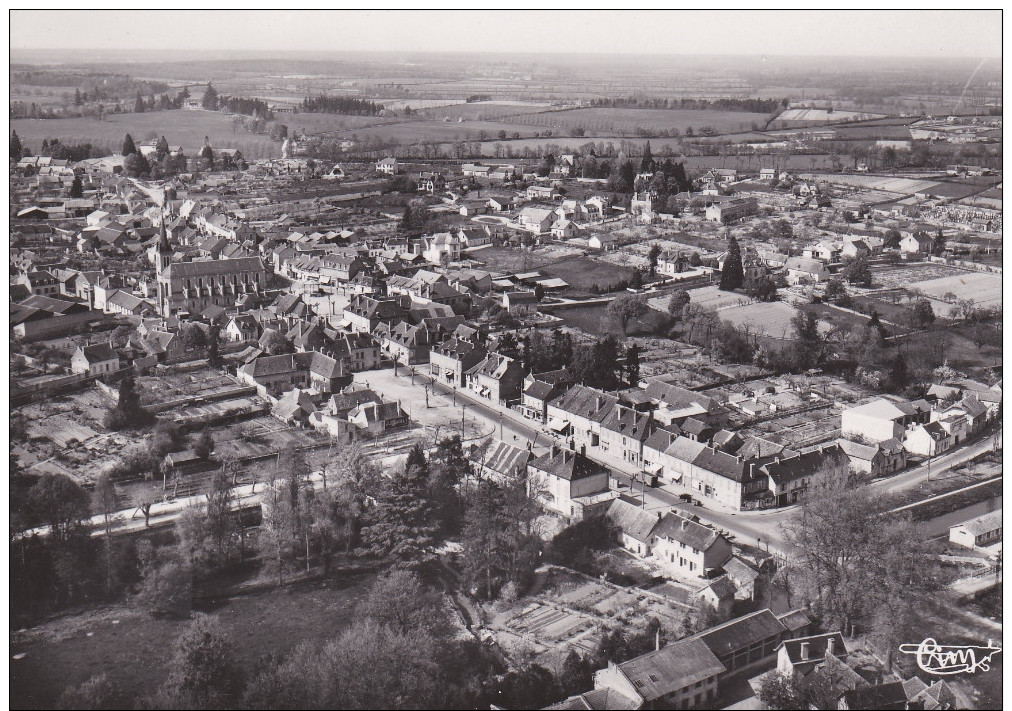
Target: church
[{"x": 190, "y": 287}]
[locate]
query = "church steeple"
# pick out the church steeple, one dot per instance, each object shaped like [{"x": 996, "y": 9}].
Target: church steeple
[{"x": 163, "y": 249}]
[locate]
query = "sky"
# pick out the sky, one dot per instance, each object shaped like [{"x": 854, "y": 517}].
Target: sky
[{"x": 917, "y": 33}]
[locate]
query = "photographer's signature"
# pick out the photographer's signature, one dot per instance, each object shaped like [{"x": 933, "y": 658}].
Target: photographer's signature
[{"x": 954, "y": 659}]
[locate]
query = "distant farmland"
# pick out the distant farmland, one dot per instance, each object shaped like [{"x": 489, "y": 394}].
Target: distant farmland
[
  {"x": 182, "y": 128},
  {"x": 626, "y": 121}
]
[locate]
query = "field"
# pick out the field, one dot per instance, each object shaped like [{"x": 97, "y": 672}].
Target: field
[
  {"x": 133, "y": 649},
  {"x": 594, "y": 319},
  {"x": 824, "y": 116},
  {"x": 626, "y": 121},
  {"x": 773, "y": 319},
  {"x": 984, "y": 288},
  {"x": 183, "y": 128},
  {"x": 482, "y": 111},
  {"x": 311, "y": 123}
]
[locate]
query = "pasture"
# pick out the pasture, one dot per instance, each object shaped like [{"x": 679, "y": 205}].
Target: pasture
[
  {"x": 182, "y": 128},
  {"x": 772, "y": 319}
]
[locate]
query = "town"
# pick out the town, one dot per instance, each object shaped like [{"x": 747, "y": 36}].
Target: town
[{"x": 588, "y": 426}]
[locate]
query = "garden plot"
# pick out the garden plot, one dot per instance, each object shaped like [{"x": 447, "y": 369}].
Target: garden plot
[{"x": 907, "y": 276}]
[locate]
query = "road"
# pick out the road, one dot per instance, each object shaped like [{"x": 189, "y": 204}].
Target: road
[{"x": 937, "y": 465}]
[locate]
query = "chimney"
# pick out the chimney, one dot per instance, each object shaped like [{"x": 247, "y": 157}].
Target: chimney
[
  {"x": 777, "y": 459},
  {"x": 804, "y": 650},
  {"x": 600, "y": 402},
  {"x": 685, "y": 524},
  {"x": 830, "y": 645},
  {"x": 555, "y": 450}
]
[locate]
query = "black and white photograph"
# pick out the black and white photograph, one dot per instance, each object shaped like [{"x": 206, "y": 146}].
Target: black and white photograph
[{"x": 505, "y": 359}]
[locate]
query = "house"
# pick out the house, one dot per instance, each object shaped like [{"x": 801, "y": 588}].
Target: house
[
  {"x": 635, "y": 525},
  {"x": 442, "y": 248},
  {"x": 501, "y": 203},
  {"x": 564, "y": 229},
  {"x": 540, "y": 192},
  {"x": 242, "y": 328},
  {"x": 431, "y": 183},
  {"x": 519, "y": 301},
  {"x": 40, "y": 317},
  {"x": 497, "y": 378},
  {"x": 803, "y": 270},
  {"x": 789, "y": 478},
  {"x": 978, "y": 532},
  {"x": 97, "y": 359},
  {"x": 686, "y": 548},
  {"x": 377, "y": 418},
  {"x": 681, "y": 675},
  {"x": 403, "y": 342},
  {"x": 123, "y": 302},
  {"x": 670, "y": 263},
  {"x": 569, "y": 483},
  {"x": 748, "y": 642},
  {"x": 877, "y": 459},
  {"x": 540, "y": 389},
  {"x": 475, "y": 169},
  {"x": 603, "y": 241},
  {"x": 501, "y": 461},
  {"x": 275, "y": 375},
  {"x": 916, "y": 244},
  {"x": 880, "y": 697},
  {"x": 471, "y": 237},
  {"x": 732, "y": 209},
  {"x": 363, "y": 313},
  {"x": 450, "y": 360},
  {"x": 360, "y": 351},
  {"x": 387, "y": 166},
  {"x": 537, "y": 220},
  {"x": 294, "y": 407},
  {"x": 928, "y": 440},
  {"x": 798, "y": 657},
  {"x": 882, "y": 419},
  {"x": 855, "y": 249},
  {"x": 769, "y": 174},
  {"x": 743, "y": 575},
  {"x": 40, "y": 282},
  {"x": 578, "y": 414},
  {"x": 824, "y": 251},
  {"x": 719, "y": 594},
  {"x": 624, "y": 431}
]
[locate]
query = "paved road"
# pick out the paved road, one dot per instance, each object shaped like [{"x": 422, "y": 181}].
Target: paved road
[{"x": 938, "y": 464}]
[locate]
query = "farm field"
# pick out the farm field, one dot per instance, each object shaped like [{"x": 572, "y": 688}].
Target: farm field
[
  {"x": 481, "y": 110},
  {"x": 626, "y": 121},
  {"x": 906, "y": 276},
  {"x": 825, "y": 115},
  {"x": 183, "y": 128},
  {"x": 311, "y": 123},
  {"x": 439, "y": 131},
  {"x": 133, "y": 649}
]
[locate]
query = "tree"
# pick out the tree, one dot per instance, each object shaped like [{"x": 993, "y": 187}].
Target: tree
[
  {"x": 921, "y": 314},
  {"x": 835, "y": 289},
  {"x": 203, "y": 444},
  {"x": 399, "y": 601},
  {"x": 165, "y": 587},
  {"x": 647, "y": 164},
  {"x": 652, "y": 256},
  {"x": 210, "y": 98},
  {"x": 105, "y": 501},
  {"x": 76, "y": 188},
  {"x": 60, "y": 503},
  {"x": 139, "y": 105},
  {"x": 856, "y": 271},
  {"x": 632, "y": 365},
  {"x": 732, "y": 276},
  {"x": 676, "y": 304},
  {"x": 213, "y": 352},
  {"x": 400, "y": 528},
  {"x": 161, "y": 148},
  {"x": 16, "y": 149},
  {"x": 193, "y": 337},
  {"x": 95, "y": 693},
  {"x": 761, "y": 287},
  {"x": 626, "y": 307},
  {"x": 204, "y": 671},
  {"x": 899, "y": 375},
  {"x": 136, "y": 165},
  {"x": 275, "y": 343},
  {"x": 778, "y": 691}
]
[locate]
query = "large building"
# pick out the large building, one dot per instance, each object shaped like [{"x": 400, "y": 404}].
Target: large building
[
  {"x": 191, "y": 287},
  {"x": 732, "y": 209}
]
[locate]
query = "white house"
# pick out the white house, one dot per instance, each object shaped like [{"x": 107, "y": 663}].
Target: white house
[
  {"x": 978, "y": 532},
  {"x": 97, "y": 359},
  {"x": 387, "y": 166}
]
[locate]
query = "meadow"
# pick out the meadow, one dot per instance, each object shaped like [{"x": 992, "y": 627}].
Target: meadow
[{"x": 182, "y": 128}]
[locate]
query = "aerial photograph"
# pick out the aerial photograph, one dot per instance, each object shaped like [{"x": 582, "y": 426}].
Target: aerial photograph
[{"x": 505, "y": 359}]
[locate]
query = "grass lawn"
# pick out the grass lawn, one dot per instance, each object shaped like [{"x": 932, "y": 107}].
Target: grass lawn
[
  {"x": 581, "y": 273},
  {"x": 133, "y": 649},
  {"x": 594, "y": 319},
  {"x": 182, "y": 128}
]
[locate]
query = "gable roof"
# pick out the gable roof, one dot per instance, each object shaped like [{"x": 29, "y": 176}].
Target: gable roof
[
  {"x": 632, "y": 520},
  {"x": 817, "y": 646},
  {"x": 741, "y": 632},
  {"x": 99, "y": 352},
  {"x": 571, "y": 466},
  {"x": 683, "y": 530},
  {"x": 675, "y": 666}
]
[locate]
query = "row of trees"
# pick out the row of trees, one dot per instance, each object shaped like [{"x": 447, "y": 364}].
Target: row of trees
[{"x": 341, "y": 105}]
